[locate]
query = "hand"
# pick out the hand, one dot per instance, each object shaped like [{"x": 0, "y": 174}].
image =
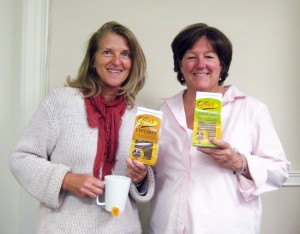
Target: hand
[
  {"x": 83, "y": 185},
  {"x": 136, "y": 170},
  {"x": 224, "y": 155}
]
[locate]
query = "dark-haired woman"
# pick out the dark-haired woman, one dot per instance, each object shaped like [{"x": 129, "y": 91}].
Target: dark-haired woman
[{"x": 213, "y": 190}]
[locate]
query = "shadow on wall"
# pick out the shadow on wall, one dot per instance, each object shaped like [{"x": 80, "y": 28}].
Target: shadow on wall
[{"x": 144, "y": 216}]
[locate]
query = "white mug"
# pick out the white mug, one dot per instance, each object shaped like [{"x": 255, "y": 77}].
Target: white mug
[{"x": 116, "y": 193}]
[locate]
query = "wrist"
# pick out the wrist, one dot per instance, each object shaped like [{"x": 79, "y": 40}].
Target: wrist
[
  {"x": 138, "y": 184},
  {"x": 66, "y": 181},
  {"x": 244, "y": 166}
]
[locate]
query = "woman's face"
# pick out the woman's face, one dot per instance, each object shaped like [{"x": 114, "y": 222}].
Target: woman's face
[
  {"x": 201, "y": 67},
  {"x": 113, "y": 62}
]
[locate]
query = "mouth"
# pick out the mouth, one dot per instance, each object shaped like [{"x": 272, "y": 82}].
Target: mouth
[
  {"x": 114, "y": 71},
  {"x": 201, "y": 74}
]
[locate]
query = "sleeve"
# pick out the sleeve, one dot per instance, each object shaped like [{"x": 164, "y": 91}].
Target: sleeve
[
  {"x": 149, "y": 188},
  {"x": 29, "y": 161},
  {"x": 267, "y": 162}
]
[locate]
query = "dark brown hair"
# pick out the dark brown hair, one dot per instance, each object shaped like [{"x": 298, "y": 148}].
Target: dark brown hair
[{"x": 186, "y": 38}]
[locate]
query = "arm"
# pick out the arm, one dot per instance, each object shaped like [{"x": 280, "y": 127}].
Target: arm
[
  {"x": 142, "y": 176},
  {"x": 228, "y": 157},
  {"x": 265, "y": 164},
  {"x": 83, "y": 185},
  {"x": 29, "y": 160}
]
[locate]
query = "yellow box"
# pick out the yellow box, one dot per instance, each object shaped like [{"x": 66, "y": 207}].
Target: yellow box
[{"x": 144, "y": 144}]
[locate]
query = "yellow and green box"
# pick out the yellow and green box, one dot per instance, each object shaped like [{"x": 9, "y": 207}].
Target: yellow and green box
[{"x": 207, "y": 118}]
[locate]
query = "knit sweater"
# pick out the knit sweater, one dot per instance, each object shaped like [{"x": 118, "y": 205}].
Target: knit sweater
[{"x": 58, "y": 140}]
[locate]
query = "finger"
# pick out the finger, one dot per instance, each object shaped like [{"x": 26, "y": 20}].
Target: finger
[
  {"x": 129, "y": 162},
  {"x": 137, "y": 177},
  {"x": 129, "y": 167},
  {"x": 137, "y": 168},
  {"x": 219, "y": 143},
  {"x": 208, "y": 151},
  {"x": 203, "y": 150},
  {"x": 99, "y": 185},
  {"x": 93, "y": 193},
  {"x": 139, "y": 164},
  {"x": 97, "y": 191},
  {"x": 135, "y": 173},
  {"x": 140, "y": 172}
]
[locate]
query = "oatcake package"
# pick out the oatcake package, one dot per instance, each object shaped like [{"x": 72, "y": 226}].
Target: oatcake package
[
  {"x": 144, "y": 144},
  {"x": 207, "y": 118}
]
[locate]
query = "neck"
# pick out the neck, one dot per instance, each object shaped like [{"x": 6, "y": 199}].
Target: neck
[
  {"x": 191, "y": 94},
  {"x": 109, "y": 96}
]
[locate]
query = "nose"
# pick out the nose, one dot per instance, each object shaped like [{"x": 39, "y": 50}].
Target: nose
[
  {"x": 116, "y": 60},
  {"x": 201, "y": 62}
]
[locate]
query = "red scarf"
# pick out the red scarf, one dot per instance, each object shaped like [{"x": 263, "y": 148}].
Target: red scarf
[{"x": 107, "y": 116}]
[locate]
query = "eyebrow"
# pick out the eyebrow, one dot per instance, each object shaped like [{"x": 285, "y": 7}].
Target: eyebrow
[
  {"x": 191, "y": 52},
  {"x": 125, "y": 50}
]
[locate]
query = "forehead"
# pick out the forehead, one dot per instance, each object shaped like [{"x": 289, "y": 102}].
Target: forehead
[
  {"x": 113, "y": 41},
  {"x": 202, "y": 43}
]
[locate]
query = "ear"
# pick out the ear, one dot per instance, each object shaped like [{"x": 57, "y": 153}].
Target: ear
[
  {"x": 221, "y": 66},
  {"x": 180, "y": 65}
]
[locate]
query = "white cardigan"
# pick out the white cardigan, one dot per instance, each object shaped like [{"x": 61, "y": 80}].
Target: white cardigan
[{"x": 58, "y": 140}]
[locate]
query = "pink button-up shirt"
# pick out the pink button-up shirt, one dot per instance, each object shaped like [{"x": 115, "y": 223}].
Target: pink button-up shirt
[{"x": 196, "y": 195}]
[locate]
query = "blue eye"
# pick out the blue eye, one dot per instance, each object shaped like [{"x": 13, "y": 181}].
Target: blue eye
[
  {"x": 107, "y": 52},
  {"x": 211, "y": 56},
  {"x": 126, "y": 54}
]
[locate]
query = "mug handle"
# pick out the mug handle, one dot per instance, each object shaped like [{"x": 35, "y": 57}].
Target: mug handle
[
  {"x": 99, "y": 203},
  {"x": 97, "y": 200}
]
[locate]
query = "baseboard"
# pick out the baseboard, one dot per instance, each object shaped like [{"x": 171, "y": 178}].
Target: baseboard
[{"x": 293, "y": 180}]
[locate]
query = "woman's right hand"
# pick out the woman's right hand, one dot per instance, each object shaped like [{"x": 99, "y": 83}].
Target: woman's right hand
[{"x": 83, "y": 185}]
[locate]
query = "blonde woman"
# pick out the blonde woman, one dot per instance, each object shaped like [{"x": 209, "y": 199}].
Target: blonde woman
[{"x": 81, "y": 133}]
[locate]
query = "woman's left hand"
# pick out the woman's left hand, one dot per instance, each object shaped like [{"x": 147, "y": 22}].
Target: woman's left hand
[
  {"x": 224, "y": 155},
  {"x": 136, "y": 170}
]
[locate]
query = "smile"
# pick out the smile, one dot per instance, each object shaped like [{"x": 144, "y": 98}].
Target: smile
[
  {"x": 201, "y": 74},
  {"x": 114, "y": 71}
]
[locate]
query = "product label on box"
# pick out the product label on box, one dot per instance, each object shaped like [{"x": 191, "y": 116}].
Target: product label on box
[
  {"x": 144, "y": 144},
  {"x": 207, "y": 118}
]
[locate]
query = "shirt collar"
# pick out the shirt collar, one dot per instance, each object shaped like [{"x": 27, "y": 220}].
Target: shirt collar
[{"x": 232, "y": 93}]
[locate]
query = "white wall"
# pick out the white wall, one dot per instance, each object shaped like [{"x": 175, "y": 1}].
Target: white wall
[
  {"x": 10, "y": 41},
  {"x": 265, "y": 37},
  {"x": 23, "y": 76}
]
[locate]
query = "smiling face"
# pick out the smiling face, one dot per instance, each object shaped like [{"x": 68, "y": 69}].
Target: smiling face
[
  {"x": 112, "y": 63},
  {"x": 201, "y": 67}
]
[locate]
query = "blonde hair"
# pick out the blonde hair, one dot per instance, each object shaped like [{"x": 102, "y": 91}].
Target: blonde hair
[{"x": 88, "y": 80}]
